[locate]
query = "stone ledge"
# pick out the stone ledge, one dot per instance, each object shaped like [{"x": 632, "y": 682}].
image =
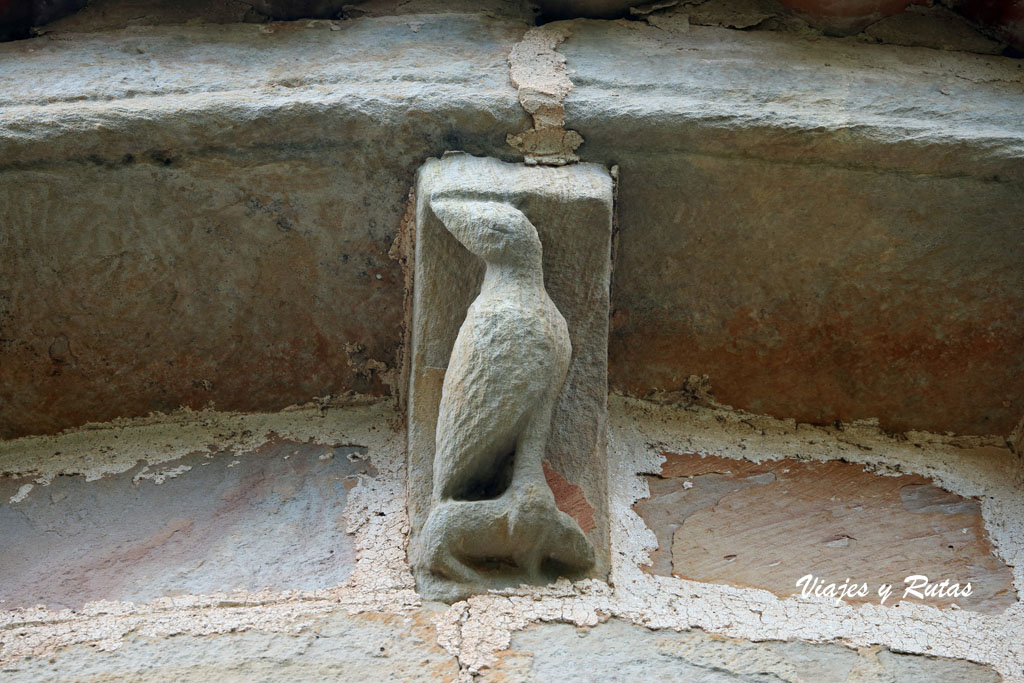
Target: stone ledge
[
  {"x": 802, "y": 100},
  {"x": 765, "y": 95},
  {"x": 824, "y": 242},
  {"x": 192, "y": 88}
]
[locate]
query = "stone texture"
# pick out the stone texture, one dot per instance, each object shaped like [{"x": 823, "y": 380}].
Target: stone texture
[
  {"x": 106, "y": 15},
  {"x": 196, "y": 281},
  {"x": 384, "y": 647},
  {"x": 571, "y": 210},
  {"x": 999, "y": 19},
  {"x": 937, "y": 28},
  {"x": 847, "y": 16},
  {"x": 338, "y": 646},
  {"x": 618, "y": 651},
  {"x": 790, "y": 248},
  {"x": 255, "y": 631},
  {"x": 852, "y": 259},
  {"x": 157, "y": 269},
  {"x": 767, "y": 524},
  {"x": 493, "y": 520},
  {"x": 203, "y": 524},
  {"x": 1004, "y": 19}
]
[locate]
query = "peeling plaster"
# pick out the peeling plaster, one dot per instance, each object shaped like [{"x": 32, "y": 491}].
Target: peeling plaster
[
  {"x": 538, "y": 70},
  {"x": 160, "y": 477},
  {"x": 22, "y": 493},
  {"x": 375, "y": 516},
  {"x": 98, "y": 449},
  {"x": 477, "y": 630}
]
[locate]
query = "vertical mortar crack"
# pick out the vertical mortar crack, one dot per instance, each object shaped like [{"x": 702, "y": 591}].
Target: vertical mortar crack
[{"x": 538, "y": 71}]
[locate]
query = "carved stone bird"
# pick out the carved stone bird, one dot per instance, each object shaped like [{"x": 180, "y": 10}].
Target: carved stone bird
[{"x": 493, "y": 520}]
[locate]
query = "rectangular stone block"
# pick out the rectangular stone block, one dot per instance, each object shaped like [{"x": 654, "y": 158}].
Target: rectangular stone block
[{"x": 571, "y": 207}]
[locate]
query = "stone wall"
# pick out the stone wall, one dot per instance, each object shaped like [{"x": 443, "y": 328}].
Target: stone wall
[
  {"x": 206, "y": 215},
  {"x": 274, "y": 545}
]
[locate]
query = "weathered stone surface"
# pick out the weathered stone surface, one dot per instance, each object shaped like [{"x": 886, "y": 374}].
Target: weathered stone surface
[
  {"x": 382, "y": 647},
  {"x": 1004, "y": 19},
  {"x": 158, "y": 269},
  {"x": 848, "y": 16},
  {"x": 936, "y": 28},
  {"x": 618, "y": 651},
  {"x": 107, "y": 15},
  {"x": 794, "y": 249},
  {"x": 493, "y": 518},
  {"x": 853, "y": 259},
  {"x": 199, "y": 525},
  {"x": 192, "y": 280},
  {"x": 211, "y": 628},
  {"x": 495, "y": 400},
  {"x": 338, "y": 646},
  {"x": 741, "y": 14},
  {"x": 768, "y": 524}
]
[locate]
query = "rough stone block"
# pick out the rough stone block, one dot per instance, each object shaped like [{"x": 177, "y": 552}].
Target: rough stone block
[{"x": 571, "y": 209}]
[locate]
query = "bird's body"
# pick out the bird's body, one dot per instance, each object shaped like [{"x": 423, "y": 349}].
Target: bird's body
[
  {"x": 507, "y": 366},
  {"x": 493, "y": 520}
]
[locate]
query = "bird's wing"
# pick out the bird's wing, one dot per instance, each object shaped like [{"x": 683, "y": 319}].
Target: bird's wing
[{"x": 495, "y": 378}]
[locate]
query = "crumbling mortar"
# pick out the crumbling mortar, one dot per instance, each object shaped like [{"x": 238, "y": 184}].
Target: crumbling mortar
[
  {"x": 484, "y": 624},
  {"x": 538, "y": 71},
  {"x": 475, "y": 630},
  {"x": 375, "y": 515}
]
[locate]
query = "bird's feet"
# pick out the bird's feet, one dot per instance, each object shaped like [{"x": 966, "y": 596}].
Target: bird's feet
[{"x": 522, "y": 537}]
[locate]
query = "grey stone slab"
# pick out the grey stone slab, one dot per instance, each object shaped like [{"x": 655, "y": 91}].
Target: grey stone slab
[
  {"x": 338, "y": 646},
  {"x": 619, "y": 651},
  {"x": 826, "y": 230},
  {"x": 215, "y": 523},
  {"x": 856, "y": 251},
  {"x": 787, "y": 98},
  {"x": 105, "y": 95}
]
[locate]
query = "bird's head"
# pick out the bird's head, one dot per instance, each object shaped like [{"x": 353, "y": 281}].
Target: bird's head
[{"x": 496, "y": 232}]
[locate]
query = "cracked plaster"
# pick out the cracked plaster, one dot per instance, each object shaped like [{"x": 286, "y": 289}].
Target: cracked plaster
[
  {"x": 477, "y": 630},
  {"x": 375, "y": 512}
]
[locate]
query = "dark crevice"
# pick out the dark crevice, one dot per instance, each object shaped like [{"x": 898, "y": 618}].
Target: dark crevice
[
  {"x": 552, "y": 568},
  {"x": 488, "y": 485},
  {"x": 496, "y": 565}
]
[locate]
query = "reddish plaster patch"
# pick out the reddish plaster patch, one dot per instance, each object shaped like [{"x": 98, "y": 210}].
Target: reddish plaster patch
[
  {"x": 228, "y": 521},
  {"x": 570, "y": 499},
  {"x": 829, "y": 369}
]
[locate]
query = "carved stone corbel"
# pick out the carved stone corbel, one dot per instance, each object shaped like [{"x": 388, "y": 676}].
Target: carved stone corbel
[{"x": 508, "y": 377}]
